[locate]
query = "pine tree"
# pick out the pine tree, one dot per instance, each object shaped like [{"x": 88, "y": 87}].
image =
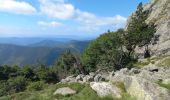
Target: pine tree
[{"x": 139, "y": 33}]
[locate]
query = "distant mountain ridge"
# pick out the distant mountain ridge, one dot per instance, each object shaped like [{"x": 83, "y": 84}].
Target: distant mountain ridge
[
  {"x": 43, "y": 52},
  {"x": 33, "y": 40}
]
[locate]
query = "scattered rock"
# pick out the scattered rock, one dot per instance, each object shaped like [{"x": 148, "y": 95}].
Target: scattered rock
[
  {"x": 64, "y": 91},
  {"x": 134, "y": 71},
  {"x": 69, "y": 79},
  {"x": 92, "y": 74},
  {"x": 99, "y": 78},
  {"x": 80, "y": 77},
  {"x": 105, "y": 88},
  {"x": 88, "y": 78}
]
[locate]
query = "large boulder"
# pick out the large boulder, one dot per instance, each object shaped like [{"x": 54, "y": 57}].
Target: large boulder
[
  {"x": 144, "y": 89},
  {"x": 105, "y": 88},
  {"x": 64, "y": 91}
]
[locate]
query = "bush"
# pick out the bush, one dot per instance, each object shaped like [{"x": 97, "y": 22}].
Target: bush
[
  {"x": 36, "y": 86},
  {"x": 17, "y": 84},
  {"x": 106, "y": 52}
]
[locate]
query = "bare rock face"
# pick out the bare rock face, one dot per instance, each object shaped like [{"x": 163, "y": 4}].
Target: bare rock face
[{"x": 160, "y": 15}]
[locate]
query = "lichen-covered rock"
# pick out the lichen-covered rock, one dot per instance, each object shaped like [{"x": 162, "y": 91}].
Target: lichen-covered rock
[
  {"x": 105, "y": 88},
  {"x": 144, "y": 89},
  {"x": 64, "y": 91}
]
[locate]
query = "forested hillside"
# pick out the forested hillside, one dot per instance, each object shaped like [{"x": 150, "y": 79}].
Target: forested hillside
[{"x": 44, "y": 52}]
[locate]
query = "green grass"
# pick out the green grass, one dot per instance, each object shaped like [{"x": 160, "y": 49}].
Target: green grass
[
  {"x": 125, "y": 95},
  {"x": 167, "y": 86},
  {"x": 84, "y": 92},
  {"x": 165, "y": 62},
  {"x": 140, "y": 64}
]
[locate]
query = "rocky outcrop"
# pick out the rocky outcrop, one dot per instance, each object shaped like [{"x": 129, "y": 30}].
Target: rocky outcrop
[
  {"x": 160, "y": 15},
  {"x": 139, "y": 83}
]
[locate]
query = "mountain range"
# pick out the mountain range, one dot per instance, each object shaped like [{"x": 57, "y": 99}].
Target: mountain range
[{"x": 24, "y": 52}]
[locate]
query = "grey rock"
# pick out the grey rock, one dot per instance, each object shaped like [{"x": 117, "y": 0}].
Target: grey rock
[
  {"x": 99, "y": 78},
  {"x": 151, "y": 68},
  {"x": 134, "y": 71},
  {"x": 92, "y": 74},
  {"x": 88, "y": 78},
  {"x": 64, "y": 91},
  {"x": 143, "y": 89},
  {"x": 105, "y": 88},
  {"x": 120, "y": 75},
  {"x": 69, "y": 79},
  {"x": 80, "y": 77}
]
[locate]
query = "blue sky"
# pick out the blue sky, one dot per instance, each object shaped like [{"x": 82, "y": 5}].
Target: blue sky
[{"x": 52, "y": 18}]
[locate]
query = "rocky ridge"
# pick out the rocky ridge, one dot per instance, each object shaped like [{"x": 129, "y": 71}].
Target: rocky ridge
[{"x": 143, "y": 84}]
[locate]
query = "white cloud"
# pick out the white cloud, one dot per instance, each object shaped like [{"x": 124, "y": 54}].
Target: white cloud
[
  {"x": 90, "y": 22},
  {"x": 49, "y": 24},
  {"x": 91, "y": 19},
  {"x": 57, "y": 9},
  {"x": 18, "y": 7}
]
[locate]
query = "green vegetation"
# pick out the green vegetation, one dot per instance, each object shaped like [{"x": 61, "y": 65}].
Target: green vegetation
[
  {"x": 138, "y": 32},
  {"x": 68, "y": 64},
  {"x": 164, "y": 85},
  {"x": 106, "y": 52},
  {"x": 16, "y": 79},
  {"x": 36, "y": 86},
  {"x": 125, "y": 95},
  {"x": 84, "y": 92},
  {"x": 165, "y": 62},
  {"x": 115, "y": 50}
]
